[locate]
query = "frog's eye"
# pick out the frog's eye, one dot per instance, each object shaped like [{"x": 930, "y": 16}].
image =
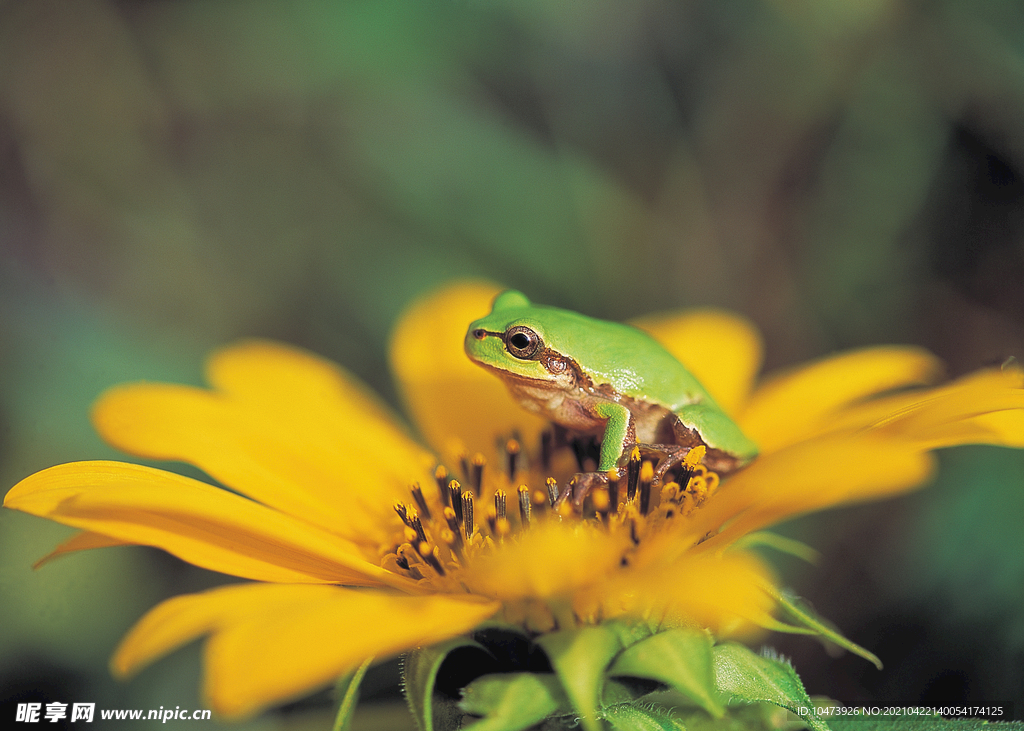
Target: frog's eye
[{"x": 522, "y": 342}]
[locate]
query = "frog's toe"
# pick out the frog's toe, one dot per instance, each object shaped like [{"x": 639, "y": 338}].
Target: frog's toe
[
  {"x": 666, "y": 457},
  {"x": 580, "y": 486}
]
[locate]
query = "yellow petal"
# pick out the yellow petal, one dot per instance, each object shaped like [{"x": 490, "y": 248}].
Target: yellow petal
[
  {"x": 286, "y": 428},
  {"x": 272, "y": 643},
  {"x": 201, "y": 524},
  {"x": 722, "y": 593},
  {"x": 721, "y": 349},
  {"x": 178, "y": 621},
  {"x": 82, "y": 541},
  {"x": 985, "y": 407},
  {"x": 799, "y": 403},
  {"x": 457, "y": 405},
  {"x": 809, "y": 476},
  {"x": 1001, "y": 428}
]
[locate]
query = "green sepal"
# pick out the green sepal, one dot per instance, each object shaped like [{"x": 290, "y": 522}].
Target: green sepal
[
  {"x": 747, "y": 677},
  {"x": 681, "y": 659},
  {"x": 799, "y": 611},
  {"x": 419, "y": 677},
  {"x": 579, "y": 658},
  {"x": 513, "y": 701},
  {"x": 639, "y": 718},
  {"x": 630, "y": 631},
  {"x": 347, "y": 689}
]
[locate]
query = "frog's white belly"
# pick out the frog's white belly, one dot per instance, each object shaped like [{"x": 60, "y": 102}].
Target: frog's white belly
[
  {"x": 575, "y": 408},
  {"x": 562, "y": 407}
]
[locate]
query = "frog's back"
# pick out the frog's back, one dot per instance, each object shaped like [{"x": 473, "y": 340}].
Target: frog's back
[{"x": 621, "y": 356}]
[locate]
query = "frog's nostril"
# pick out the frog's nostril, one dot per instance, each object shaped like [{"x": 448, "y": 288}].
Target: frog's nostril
[{"x": 479, "y": 333}]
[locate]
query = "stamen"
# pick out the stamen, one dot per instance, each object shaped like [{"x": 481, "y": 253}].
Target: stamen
[
  {"x": 524, "y": 505},
  {"x": 512, "y": 450},
  {"x": 464, "y": 464},
  {"x": 403, "y": 512},
  {"x": 690, "y": 465},
  {"x": 499, "y": 505},
  {"x": 646, "y": 478},
  {"x": 632, "y": 473},
  {"x": 546, "y": 449},
  {"x": 570, "y": 490},
  {"x": 613, "y": 491},
  {"x": 430, "y": 555},
  {"x": 477, "y": 478},
  {"x": 492, "y": 519},
  {"x": 417, "y": 526},
  {"x": 694, "y": 456},
  {"x": 502, "y": 528},
  {"x": 421, "y": 502},
  {"x": 441, "y": 477},
  {"x": 454, "y": 527},
  {"x": 552, "y": 484},
  {"x": 455, "y": 498},
  {"x": 467, "y": 513}
]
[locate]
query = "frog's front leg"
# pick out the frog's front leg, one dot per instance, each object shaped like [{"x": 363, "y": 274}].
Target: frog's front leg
[
  {"x": 619, "y": 433},
  {"x": 619, "y": 437}
]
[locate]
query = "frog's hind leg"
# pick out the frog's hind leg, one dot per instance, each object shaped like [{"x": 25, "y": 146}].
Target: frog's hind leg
[
  {"x": 699, "y": 424},
  {"x": 666, "y": 457}
]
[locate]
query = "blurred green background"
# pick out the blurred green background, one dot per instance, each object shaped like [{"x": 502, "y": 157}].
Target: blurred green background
[{"x": 175, "y": 175}]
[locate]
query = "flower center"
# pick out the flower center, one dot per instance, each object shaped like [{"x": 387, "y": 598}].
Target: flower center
[{"x": 444, "y": 527}]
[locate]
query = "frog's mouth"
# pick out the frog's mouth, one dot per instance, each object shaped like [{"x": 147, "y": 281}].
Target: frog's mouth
[{"x": 565, "y": 375}]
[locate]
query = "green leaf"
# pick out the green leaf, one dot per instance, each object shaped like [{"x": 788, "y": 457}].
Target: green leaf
[
  {"x": 753, "y": 717},
  {"x": 681, "y": 658},
  {"x": 579, "y": 658},
  {"x": 348, "y": 689},
  {"x": 751, "y": 678},
  {"x": 627, "y": 690},
  {"x": 799, "y": 611},
  {"x": 513, "y": 701},
  {"x": 419, "y": 676},
  {"x": 637, "y": 718}
]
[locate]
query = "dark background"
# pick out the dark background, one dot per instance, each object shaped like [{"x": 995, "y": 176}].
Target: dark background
[{"x": 174, "y": 175}]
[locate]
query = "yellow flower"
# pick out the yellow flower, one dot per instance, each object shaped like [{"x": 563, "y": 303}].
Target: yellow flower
[{"x": 356, "y": 548}]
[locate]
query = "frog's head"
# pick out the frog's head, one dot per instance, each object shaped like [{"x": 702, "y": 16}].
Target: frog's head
[{"x": 511, "y": 340}]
